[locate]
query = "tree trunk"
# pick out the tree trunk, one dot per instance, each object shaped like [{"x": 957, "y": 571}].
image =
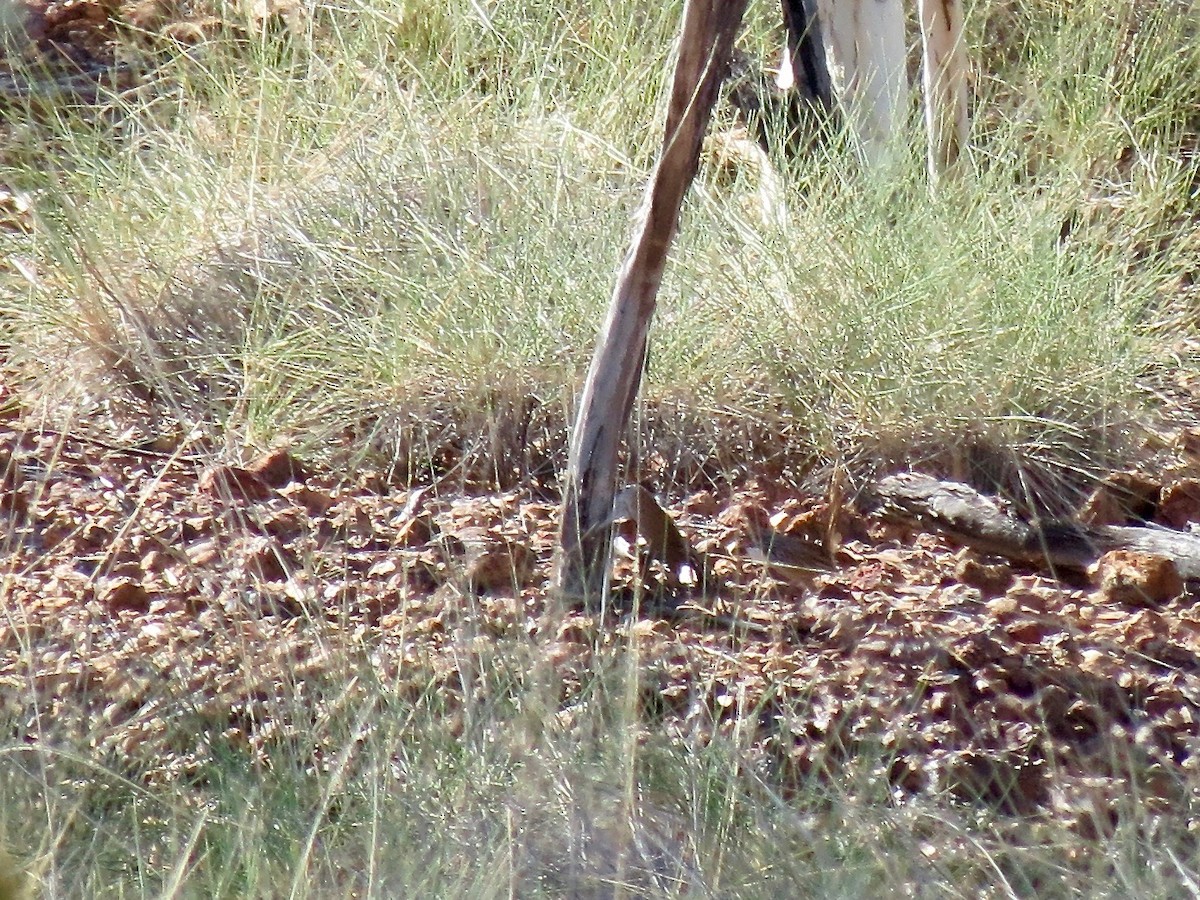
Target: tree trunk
[
  {"x": 585, "y": 539},
  {"x": 867, "y": 42},
  {"x": 944, "y": 77},
  {"x": 806, "y": 54}
]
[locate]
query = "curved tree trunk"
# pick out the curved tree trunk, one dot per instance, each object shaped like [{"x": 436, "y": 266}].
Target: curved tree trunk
[{"x": 585, "y": 539}]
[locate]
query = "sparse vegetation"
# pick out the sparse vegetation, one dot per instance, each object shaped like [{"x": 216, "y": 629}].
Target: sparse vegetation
[{"x": 384, "y": 234}]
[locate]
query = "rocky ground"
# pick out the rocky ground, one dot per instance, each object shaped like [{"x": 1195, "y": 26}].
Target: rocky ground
[{"x": 159, "y": 606}]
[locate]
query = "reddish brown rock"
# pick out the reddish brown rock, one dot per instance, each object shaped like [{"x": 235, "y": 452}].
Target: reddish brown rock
[
  {"x": 277, "y": 469},
  {"x": 1180, "y": 504},
  {"x": 123, "y": 593},
  {"x": 233, "y": 483},
  {"x": 1139, "y": 579},
  {"x": 990, "y": 578},
  {"x": 1121, "y": 499}
]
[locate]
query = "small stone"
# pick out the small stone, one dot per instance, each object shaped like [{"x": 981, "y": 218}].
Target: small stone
[
  {"x": 1180, "y": 504},
  {"x": 1136, "y": 578},
  {"x": 991, "y": 579},
  {"x": 233, "y": 483},
  {"x": 277, "y": 469},
  {"x": 123, "y": 593}
]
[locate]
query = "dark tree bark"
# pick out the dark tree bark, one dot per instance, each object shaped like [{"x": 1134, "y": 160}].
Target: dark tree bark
[
  {"x": 806, "y": 51},
  {"x": 585, "y": 539}
]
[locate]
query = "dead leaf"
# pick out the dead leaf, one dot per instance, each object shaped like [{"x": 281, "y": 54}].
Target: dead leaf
[
  {"x": 315, "y": 501},
  {"x": 497, "y": 564},
  {"x": 267, "y": 559},
  {"x": 263, "y": 15},
  {"x": 660, "y": 535},
  {"x": 415, "y": 523},
  {"x": 16, "y": 211},
  {"x": 203, "y": 554},
  {"x": 747, "y": 515},
  {"x": 795, "y": 558}
]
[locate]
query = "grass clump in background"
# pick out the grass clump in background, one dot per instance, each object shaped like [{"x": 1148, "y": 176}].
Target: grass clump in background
[{"x": 419, "y": 216}]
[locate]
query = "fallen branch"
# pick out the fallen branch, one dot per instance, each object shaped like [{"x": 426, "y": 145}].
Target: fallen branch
[
  {"x": 86, "y": 87},
  {"x": 962, "y": 513}
]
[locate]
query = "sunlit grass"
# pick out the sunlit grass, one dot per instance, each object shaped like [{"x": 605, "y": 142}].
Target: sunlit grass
[{"x": 398, "y": 212}]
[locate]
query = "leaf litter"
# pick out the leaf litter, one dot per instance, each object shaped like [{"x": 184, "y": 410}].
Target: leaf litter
[{"x": 161, "y": 609}]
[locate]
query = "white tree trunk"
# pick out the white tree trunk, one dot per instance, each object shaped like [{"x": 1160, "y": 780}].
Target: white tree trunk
[
  {"x": 866, "y": 42},
  {"x": 944, "y": 78}
]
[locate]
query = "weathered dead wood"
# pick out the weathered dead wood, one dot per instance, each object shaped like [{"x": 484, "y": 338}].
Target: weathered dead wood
[
  {"x": 967, "y": 516},
  {"x": 706, "y": 40}
]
